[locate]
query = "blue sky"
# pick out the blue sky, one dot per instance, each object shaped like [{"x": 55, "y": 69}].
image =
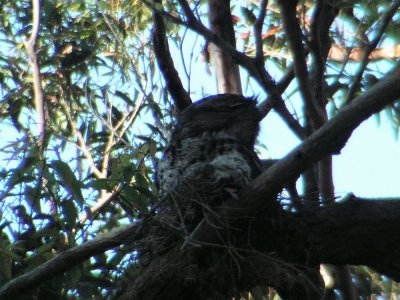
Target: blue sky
[{"x": 368, "y": 165}]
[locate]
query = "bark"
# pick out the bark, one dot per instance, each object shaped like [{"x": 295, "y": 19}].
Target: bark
[{"x": 227, "y": 72}]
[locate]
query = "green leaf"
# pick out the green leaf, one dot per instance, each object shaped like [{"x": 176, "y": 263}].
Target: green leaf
[
  {"x": 99, "y": 184},
  {"x": 248, "y": 15},
  {"x": 70, "y": 213},
  {"x": 124, "y": 97},
  {"x": 32, "y": 195},
  {"x": 141, "y": 181},
  {"x": 133, "y": 199},
  {"x": 68, "y": 179}
]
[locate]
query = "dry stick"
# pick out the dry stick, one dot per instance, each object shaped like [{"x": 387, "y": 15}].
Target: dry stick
[
  {"x": 37, "y": 83},
  {"x": 385, "y": 20}
]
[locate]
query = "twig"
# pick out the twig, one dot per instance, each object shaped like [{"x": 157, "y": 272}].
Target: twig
[
  {"x": 104, "y": 200},
  {"x": 278, "y": 104},
  {"x": 82, "y": 145}
]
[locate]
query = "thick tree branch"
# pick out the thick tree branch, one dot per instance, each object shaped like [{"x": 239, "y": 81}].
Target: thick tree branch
[
  {"x": 283, "y": 252},
  {"x": 71, "y": 257},
  {"x": 362, "y": 230},
  {"x": 166, "y": 64}
]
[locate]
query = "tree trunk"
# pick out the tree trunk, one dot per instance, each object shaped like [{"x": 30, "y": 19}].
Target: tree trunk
[{"x": 227, "y": 72}]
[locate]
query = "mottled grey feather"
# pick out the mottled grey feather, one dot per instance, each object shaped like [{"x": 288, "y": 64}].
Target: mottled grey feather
[{"x": 211, "y": 151}]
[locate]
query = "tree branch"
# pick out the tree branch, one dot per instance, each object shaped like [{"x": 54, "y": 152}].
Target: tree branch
[
  {"x": 294, "y": 35},
  {"x": 37, "y": 82},
  {"x": 362, "y": 230},
  {"x": 71, "y": 257},
  {"x": 320, "y": 44},
  {"x": 258, "y": 26},
  {"x": 166, "y": 64}
]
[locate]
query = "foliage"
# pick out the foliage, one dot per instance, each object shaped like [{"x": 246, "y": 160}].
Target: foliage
[{"x": 108, "y": 117}]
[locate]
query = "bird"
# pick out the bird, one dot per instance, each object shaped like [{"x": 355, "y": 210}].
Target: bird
[{"x": 210, "y": 156}]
